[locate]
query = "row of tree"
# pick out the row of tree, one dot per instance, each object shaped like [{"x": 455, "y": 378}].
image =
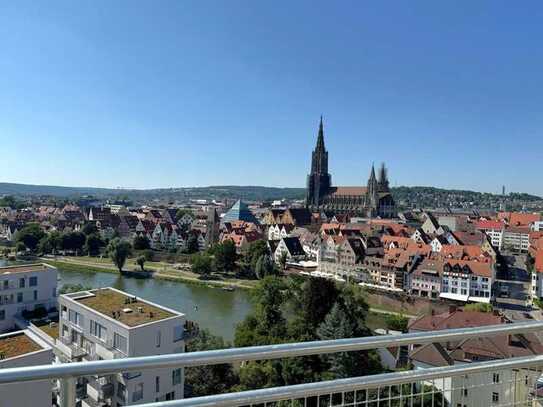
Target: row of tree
[{"x": 290, "y": 310}]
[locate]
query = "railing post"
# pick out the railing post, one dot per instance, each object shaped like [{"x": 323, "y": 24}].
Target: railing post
[{"x": 67, "y": 392}]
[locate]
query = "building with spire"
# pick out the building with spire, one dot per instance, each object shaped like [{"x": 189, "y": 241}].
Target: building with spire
[{"x": 374, "y": 200}]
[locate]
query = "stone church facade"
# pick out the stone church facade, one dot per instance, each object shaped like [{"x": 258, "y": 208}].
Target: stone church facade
[{"x": 373, "y": 200}]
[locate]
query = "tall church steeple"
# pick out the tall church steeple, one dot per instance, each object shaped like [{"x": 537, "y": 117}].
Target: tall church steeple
[
  {"x": 383, "y": 179},
  {"x": 319, "y": 180}
]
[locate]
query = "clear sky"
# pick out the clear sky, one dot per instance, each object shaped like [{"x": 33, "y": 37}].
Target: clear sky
[{"x": 194, "y": 93}]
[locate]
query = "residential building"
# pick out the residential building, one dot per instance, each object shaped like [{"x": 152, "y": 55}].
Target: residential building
[
  {"x": 425, "y": 279},
  {"x": 23, "y": 288},
  {"x": 493, "y": 229},
  {"x": 291, "y": 248},
  {"x": 467, "y": 280},
  {"x": 474, "y": 389},
  {"x": 25, "y": 349},
  {"x": 516, "y": 238},
  {"x": 108, "y": 324}
]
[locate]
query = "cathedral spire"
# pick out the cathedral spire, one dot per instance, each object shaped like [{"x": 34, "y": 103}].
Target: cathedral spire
[{"x": 320, "y": 138}]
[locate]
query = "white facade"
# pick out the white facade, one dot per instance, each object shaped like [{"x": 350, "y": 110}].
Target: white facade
[
  {"x": 18, "y": 394},
  {"x": 516, "y": 239},
  {"x": 461, "y": 286},
  {"x": 87, "y": 334},
  {"x": 25, "y": 288},
  {"x": 484, "y": 389}
]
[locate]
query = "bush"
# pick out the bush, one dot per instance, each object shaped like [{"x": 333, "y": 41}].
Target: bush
[
  {"x": 479, "y": 307},
  {"x": 149, "y": 255},
  {"x": 396, "y": 322}
]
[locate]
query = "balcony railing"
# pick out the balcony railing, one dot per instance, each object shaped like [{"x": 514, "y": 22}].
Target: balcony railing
[{"x": 504, "y": 382}]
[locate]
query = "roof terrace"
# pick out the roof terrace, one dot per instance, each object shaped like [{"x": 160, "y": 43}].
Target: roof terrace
[
  {"x": 13, "y": 345},
  {"x": 127, "y": 309},
  {"x": 25, "y": 268}
]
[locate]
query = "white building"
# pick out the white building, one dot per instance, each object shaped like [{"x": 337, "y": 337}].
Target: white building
[
  {"x": 494, "y": 230},
  {"x": 516, "y": 238},
  {"x": 23, "y": 349},
  {"x": 468, "y": 281},
  {"x": 108, "y": 324},
  {"x": 26, "y": 288}
]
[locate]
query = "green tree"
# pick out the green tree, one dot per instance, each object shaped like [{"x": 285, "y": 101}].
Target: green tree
[
  {"x": 140, "y": 261},
  {"x": 30, "y": 235},
  {"x": 45, "y": 246},
  {"x": 396, "y": 322},
  {"x": 318, "y": 296},
  {"x": 202, "y": 264},
  {"x": 210, "y": 379},
  {"x": 225, "y": 256},
  {"x": 265, "y": 266},
  {"x": 73, "y": 241},
  {"x": 118, "y": 251},
  {"x": 192, "y": 244},
  {"x": 141, "y": 243},
  {"x": 93, "y": 243},
  {"x": 266, "y": 324},
  {"x": 255, "y": 251},
  {"x": 20, "y": 247},
  {"x": 6, "y": 252},
  {"x": 283, "y": 260},
  {"x": 89, "y": 228}
]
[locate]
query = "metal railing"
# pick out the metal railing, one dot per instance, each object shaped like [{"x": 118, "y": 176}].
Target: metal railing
[{"x": 387, "y": 389}]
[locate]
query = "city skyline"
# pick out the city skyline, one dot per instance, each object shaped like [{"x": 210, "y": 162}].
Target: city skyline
[{"x": 134, "y": 97}]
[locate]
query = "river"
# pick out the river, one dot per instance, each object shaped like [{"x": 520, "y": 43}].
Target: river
[{"x": 213, "y": 308}]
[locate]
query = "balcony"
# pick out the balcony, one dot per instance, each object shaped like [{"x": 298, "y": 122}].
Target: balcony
[
  {"x": 71, "y": 349},
  {"x": 100, "y": 389},
  {"x": 516, "y": 381}
]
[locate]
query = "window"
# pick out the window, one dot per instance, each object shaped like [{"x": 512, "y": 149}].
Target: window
[
  {"x": 465, "y": 392},
  {"x": 6, "y": 284},
  {"x": 98, "y": 330},
  {"x": 22, "y": 283},
  {"x": 35, "y": 295},
  {"x": 2, "y": 314},
  {"x": 33, "y": 281},
  {"x": 158, "y": 338},
  {"x": 119, "y": 342},
  {"x": 177, "y": 333},
  {"x": 176, "y": 377},
  {"x": 75, "y": 318},
  {"x": 157, "y": 384},
  {"x": 138, "y": 392},
  {"x": 19, "y": 297},
  {"x": 496, "y": 378},
  {"x": 495, "y": 397}
]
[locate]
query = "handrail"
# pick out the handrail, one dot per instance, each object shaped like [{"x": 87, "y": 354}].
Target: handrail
[
  {"x": 214, "y": 357},
  {"x": 253, "y": 397}
]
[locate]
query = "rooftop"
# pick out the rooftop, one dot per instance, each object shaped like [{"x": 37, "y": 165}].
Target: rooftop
[
  {"x": 25, "y": 268},
  {"x": 127, "y": 309},
  {"x": 12, "y": 345}
]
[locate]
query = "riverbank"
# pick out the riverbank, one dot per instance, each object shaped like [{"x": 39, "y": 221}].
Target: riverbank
[{"x": 158, "y": 270}]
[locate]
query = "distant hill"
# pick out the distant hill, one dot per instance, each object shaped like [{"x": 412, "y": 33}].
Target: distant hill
[
  {"x": 406, "y": 197},
  {"x": 215, "y": 192}
]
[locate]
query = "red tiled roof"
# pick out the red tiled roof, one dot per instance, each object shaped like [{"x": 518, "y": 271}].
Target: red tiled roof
[
  {"x": 489, "y": 224},
  {"x": 539, "y": 260},
  {"x": 349, "y": 191},
  {"x": 456, "y": 319}
]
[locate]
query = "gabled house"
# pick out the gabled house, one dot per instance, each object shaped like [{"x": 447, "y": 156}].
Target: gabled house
[{"x": 291, "y": 248}]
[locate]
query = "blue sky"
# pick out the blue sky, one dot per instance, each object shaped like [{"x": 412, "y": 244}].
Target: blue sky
[{"x": 193, "y": 93}]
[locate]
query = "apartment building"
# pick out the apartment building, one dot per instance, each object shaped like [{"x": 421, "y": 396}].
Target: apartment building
[
  {"x": 425, "y": 279},
  {"x": 108, "y": 324},
  {"x": 493, "y": 229},
  {"x": 468, "y": 281},
  {"x": 516, "y": 238},
  {"x": 499, "y": 387},
  {"x": 23, "y": 349},
  {"x": 26, "y": 287}
]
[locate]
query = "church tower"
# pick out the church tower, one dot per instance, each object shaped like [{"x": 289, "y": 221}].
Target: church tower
[
  {"x": 212, "y": 228},
  {"x": 319, "y": 180},
  {"x": 383, "y": 183},
  {"x": 373, "y": 194}
]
